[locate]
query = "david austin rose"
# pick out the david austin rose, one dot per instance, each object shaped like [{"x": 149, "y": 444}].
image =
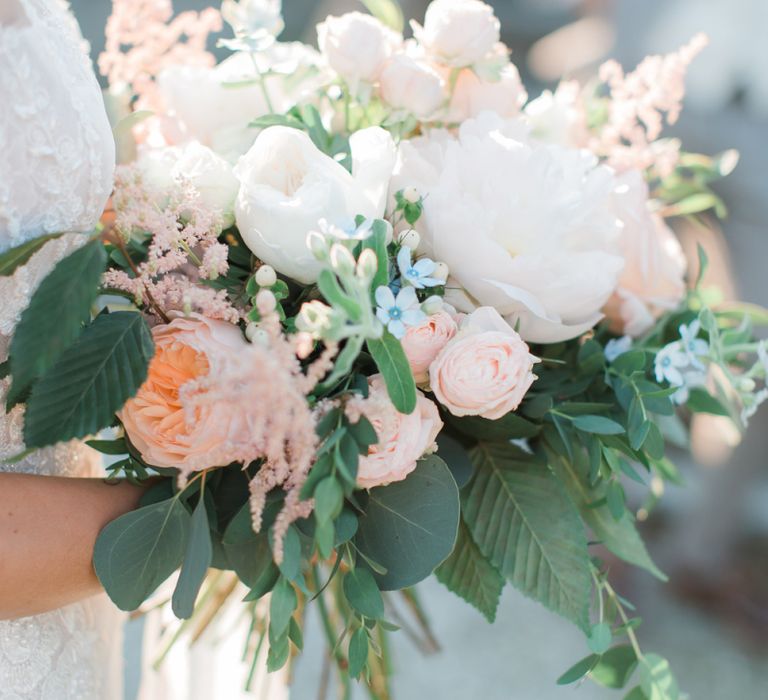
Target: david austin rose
[
  {"x": 356, "y": 46},
  {"x": 155, "y": 420},
  {"x": 524, "y": 227},
  {"x": 288, "y": 185},
  {"x": 653, "y": 280},
  {"x": 403, "y": 439},
  {"x": 209, "y": 174},
  {"x": 423, "y": 343},
  {"x": 412, "y": 86},
  {"x": 458, "y": 32},
  {"x": 485, "y": 370}
]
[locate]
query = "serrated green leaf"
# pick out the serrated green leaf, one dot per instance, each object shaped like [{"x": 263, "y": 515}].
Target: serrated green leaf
[
  {"x": 137, "y": 552},
  {"x": 409, "y": 527},
  {"x": 389, "y": 356},
  {"x": 523, "y": 522},
  {"x": 14, "y": 258},
  {"x": 91, "y": 380},
  {"x": 471, "y": 576},
  {"x": 197, "y": 559},
  {"x": 620, "y": 537},
  {"x": 55, "y": 316}
]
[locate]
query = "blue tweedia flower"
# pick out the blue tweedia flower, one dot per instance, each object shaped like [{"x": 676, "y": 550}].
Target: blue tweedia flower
[
  {"x": 693, "y": 346},
  {"x": 398, "y": 312},
  {"x": 616, "y": 347},
  {"x": 416, "y": 274},
  {"x": 669, "y": 363},
  {"x": 346, "y": 230}
]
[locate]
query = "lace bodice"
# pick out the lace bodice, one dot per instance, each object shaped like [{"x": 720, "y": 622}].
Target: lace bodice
[{"x": 56, "y": 164}]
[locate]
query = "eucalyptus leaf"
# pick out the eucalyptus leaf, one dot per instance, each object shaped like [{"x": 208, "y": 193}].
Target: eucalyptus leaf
[
  {"x": 410, "y": 527},
  {"x": 389, "y": 356},
  {"x": 136, "y": 552},
  {"x": 362, "y": 593},
  {"x": 358, "y": 652}
]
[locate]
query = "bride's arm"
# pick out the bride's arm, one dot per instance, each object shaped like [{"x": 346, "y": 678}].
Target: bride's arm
[{"x": 48, "y": 527}]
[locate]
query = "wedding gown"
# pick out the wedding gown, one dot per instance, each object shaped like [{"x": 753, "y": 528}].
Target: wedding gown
[{"x": 56, "y": 166}]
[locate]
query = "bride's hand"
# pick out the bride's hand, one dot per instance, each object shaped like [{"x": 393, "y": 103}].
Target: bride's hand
[{"x": 48, "y": 528}]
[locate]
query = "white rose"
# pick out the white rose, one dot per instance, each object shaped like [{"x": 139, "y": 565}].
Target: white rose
[
  {"x": 356, "y": 46},
  {"x": 458, "y": 32},
  {"x": 653, "y": 280},
  {"x": 524, "y": 227},
  {"x": 254, "y": 17},
  {"x": 288, "y": 185},
  {"x": 473, "y": 95},
  {"x": 208, "y": 173},
  {"x": 217, "y": 114},
  {"x": 411, "y": 85}
]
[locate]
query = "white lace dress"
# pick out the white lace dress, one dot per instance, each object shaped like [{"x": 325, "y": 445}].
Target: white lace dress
[{"x": 56, "y": 166}]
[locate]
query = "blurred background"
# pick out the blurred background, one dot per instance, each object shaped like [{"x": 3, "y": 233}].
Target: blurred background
[{"x": 711, "y": 536}]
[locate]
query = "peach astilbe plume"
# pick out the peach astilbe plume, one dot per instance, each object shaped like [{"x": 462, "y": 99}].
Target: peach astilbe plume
[
  {"x": 142, "y": 40},
  {"x": 638, "y": 102},
  {"x": 184, "y": 248}
]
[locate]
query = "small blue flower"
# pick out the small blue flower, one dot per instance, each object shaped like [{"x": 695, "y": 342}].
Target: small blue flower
[
  {"x": 670, "y": 360},
  {"x": 346, "y": 230},
  {"x": 616, "y": 347},
  {"x": 398, "y": 312},
  {"x": 416, "y": 274},
  {"x": 693, "y": 346}
]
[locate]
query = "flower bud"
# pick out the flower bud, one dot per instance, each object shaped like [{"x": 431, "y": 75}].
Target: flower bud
[
  {"x": 256, "y": 335},
  {"x": 441, "y": 272},
  {"x": 432, "y": 305},
  {"x": 746, "y": 385},
  {"x": 409, "y": 238},
  {"x": 411, "y": 194},
  {"x": 266, "y": 276},
  {"x": 367, "y": 264},
  {"x": 266, "y": 302},
  {"x": 318, "y": 245},
  {"x": 342, "y": 260}
]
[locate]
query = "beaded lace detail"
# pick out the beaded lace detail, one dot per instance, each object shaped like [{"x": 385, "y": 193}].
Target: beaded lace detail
[{"x": 55, "y": 175}]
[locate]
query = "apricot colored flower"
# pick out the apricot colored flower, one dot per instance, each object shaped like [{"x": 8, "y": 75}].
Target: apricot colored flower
[{"x": 423, "y": 343}]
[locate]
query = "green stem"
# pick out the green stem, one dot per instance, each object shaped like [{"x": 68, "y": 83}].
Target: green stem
[
  {"x": 262, "y": 83},
  {"x": 623, "y": 615},
  {"x": 330, "y": 636}
]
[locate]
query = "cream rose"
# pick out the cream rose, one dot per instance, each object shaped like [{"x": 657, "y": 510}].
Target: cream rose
[
  {"x": 423, "y": 343},
  {"x": 403, "y": 439},
  {"x": 208, "y": 173},
  {"x": 485, "y": 370},
  {"x": 504, "y": 95},
  {"x": 458, "y": 32},
  {"x": 356, "y": 46},
  {"x": 288, "y": 185},
  {"x": 411, "y": 85},
  {"x": 653, "y": 280},
  {"x": 524, "y": 227}
]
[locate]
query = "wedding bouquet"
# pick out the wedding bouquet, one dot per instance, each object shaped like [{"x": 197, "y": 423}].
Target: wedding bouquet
[{"x": 364, "y": 314}]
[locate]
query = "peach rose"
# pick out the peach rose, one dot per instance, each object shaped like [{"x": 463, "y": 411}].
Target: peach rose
[
  {"x": 163, "y": 430},
  {"x": 485, "y": 370},
  {"x": 653, "y": 279},
  {"x": 423, "y": 343},
  {"x": 403, "y": 439}
]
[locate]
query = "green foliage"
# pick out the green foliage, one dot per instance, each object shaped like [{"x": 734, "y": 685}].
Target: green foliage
[
  {"x": 656, "y": 678},
  {"x": 523, "y": 522},
  {"x": 363, "y": 594},
  {"x": 615, "y": 667},
  {"x": 471, "y": 576},
  {"x": 389, "y": 356},
  {"x": 55, "y": 316},
  {"x": 197, "y": 559},
  {"x": 14, "y": 258},
  {"x": 137, "y": 552},
  {"x": 388, "y": 11},
  {"x": 90, "y": 381},
  {"x": 409, "y": 527},
  {"x": 358, "y": 651}
]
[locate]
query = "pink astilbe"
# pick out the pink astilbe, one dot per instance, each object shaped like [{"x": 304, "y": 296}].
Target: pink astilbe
[
  {"x": 284, "y": 430},
  {"x": 142, "y": 40},
  {"x": 638, "y": 104},
  {"x": 183, "y": 249}
]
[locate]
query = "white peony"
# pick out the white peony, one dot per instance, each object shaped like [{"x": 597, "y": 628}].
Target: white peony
[
  {"x": 524, "y": 227},
  {"x": 216, "y": 105},
  {"x": 412, "y": 86},
  {"x": 458, "y": 32},
  {"x": 208, "y": 173},
  {"x": 559, "y": 117},
  {"x": 288, "y": 185},
  {"x": 653, "y": 279},
  {"x": 356, "y": 46}
]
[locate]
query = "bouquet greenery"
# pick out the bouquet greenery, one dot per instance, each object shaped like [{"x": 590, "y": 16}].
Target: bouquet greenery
[{"x": 424, "y": 325}]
